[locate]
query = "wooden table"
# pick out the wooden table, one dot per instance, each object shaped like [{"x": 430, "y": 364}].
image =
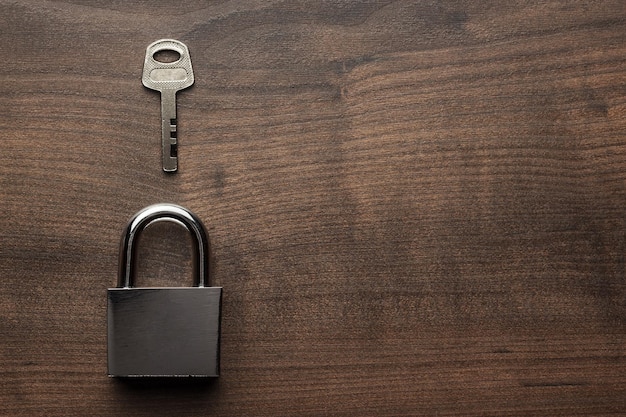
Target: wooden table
[{"x": 415, "y": 208}]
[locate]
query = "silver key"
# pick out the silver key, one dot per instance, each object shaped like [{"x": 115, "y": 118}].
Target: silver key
[{"x": 168, "y": 78}]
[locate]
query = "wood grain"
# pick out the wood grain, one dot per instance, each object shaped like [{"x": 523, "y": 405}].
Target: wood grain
[{"x": 415, "y": 208}]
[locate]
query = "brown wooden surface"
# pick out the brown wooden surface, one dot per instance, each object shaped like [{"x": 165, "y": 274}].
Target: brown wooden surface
[{"x": 415, "y": 208}]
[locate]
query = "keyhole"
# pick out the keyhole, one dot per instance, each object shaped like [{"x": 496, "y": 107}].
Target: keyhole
[{"x": 166, "y": 56}]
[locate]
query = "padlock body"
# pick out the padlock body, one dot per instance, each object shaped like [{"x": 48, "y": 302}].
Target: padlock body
[{"x": 164, "y": 331}]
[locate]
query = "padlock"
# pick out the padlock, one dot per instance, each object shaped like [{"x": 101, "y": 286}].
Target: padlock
[{"x": 164, "y": 331}]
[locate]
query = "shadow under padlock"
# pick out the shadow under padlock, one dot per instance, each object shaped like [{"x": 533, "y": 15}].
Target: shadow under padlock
[{"x": 164, "y": 331}]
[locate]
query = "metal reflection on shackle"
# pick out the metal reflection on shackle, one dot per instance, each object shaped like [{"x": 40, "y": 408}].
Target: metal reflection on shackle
[{"x": 164, "y": 331}]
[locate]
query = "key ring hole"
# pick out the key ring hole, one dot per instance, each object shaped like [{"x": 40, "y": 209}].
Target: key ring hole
[{"x": 166, "y": 56}]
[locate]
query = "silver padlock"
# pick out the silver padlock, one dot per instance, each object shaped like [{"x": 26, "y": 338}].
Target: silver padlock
[{"x": 164, "y": 331}]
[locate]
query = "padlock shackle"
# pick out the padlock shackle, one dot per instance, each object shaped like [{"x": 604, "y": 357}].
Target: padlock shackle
[{"x": 176, "y": 214}]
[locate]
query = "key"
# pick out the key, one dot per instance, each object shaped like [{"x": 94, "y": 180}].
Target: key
[{"x": 168, "y": 78}]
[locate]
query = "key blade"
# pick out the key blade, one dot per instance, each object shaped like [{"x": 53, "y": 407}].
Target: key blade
[
  {"x": 161, "y": 76},
  {"x": 169, "y": 134}
]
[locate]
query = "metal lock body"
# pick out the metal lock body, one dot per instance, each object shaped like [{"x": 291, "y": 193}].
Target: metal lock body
[{"x": 164, "y": 331}]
